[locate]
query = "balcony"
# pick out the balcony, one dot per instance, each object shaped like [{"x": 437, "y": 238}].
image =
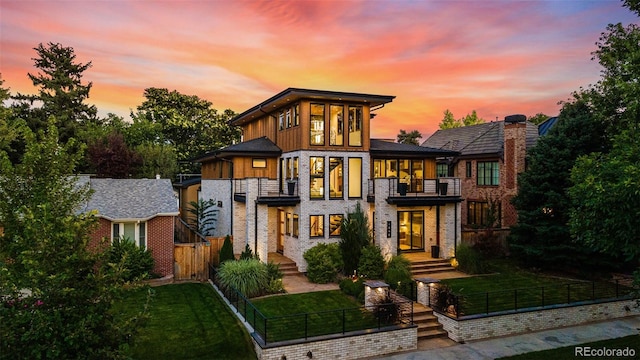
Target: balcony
[
  {"x": 415, "y": 192},
  {"x": 266, "y": 191}
]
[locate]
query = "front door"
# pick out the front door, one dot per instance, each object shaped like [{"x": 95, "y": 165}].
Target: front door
[
  {"x": 281, "y": 220},
  {"x": 411, "y": 230}
]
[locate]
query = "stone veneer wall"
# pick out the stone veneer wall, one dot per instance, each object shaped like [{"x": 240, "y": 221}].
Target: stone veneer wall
[
  {"x": 348, "y": 347},
  {"x": 511, "y": 324}
]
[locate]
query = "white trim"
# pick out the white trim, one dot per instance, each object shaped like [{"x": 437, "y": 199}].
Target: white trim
[{"x": 136, "y": 239}]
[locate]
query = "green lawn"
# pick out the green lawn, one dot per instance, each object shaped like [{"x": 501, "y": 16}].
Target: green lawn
[
  {"x": 510, "y": 288},
  {"x": 188, "y": 321},
  {"x": 632, "y": 342}
]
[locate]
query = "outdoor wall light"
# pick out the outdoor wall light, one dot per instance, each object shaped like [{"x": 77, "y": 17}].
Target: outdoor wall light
[
  {"x": 283, "y": 357},
  {"x": 309, "y": 354}
]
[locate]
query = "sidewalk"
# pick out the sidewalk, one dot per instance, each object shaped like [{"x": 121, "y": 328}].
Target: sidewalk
[{"x": 536, "y": 341}]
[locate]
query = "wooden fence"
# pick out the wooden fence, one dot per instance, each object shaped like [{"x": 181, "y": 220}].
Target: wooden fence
[{"x": 192, "y": 260}]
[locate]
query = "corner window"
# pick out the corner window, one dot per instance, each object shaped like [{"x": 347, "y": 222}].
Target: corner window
[
  {"x": 336, "y": 125},
  {"x": 316, "y": 226},
  {"x": 259, "y": 163},
  {"x": 317, "y": 124},
  {"x": 316, "y": 180},
  {"x": 355, "y": 126},
  {"x": 335, "y": 178},
  {"x": 334, "y": 225},
  {"x": 488, "y": 173},
  {"x": 355, "y": 177}
]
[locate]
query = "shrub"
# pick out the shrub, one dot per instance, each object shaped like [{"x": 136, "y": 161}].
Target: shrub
[
  {"x": 323, "y": 263},
  {"x": 371, "y": 263},
  {"x": 353, "y": 288},
  {"x": 136, "y": 262},
  {"x": 469, "y": 260},
  {"x": 398, "y": 274},
  {"x": 354, "y": 235},
  {"x": 247, "y": 253},
  {"x": 275, "y": 278},
  {"x": 226, "y": 251},
  {"x": 249, "y": 276}
]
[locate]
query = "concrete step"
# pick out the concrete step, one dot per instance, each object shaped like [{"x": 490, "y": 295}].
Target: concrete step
[{"x": 431, "y": 334}]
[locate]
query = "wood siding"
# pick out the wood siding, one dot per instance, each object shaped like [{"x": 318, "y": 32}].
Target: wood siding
[{"x": 243, "y": 168}]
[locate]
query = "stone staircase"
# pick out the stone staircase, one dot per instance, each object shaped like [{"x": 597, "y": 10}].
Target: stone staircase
[
  {"x": 428, "y": 325},
  {"x": 287, "y": 266},
  {"x": 424, "y": 268}
]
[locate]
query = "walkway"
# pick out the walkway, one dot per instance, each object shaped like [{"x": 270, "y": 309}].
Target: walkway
[{"x": 536, "y": 341}]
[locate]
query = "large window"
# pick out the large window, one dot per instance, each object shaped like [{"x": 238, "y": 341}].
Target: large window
[
  {"x": 135, "y": 232},
  {"x": 410, "y": 172},
  {"x": 482, "y": 214},
  {"x": 316, "y": 173},
  {"x": 488, "y": 173},
  {"x": 316, "y": 226},
  {"x": 295, "y": 167},
  {"x": 336, "y": 182},
  {"x": 355, "y": 177},
  {"x": 288, "y": 224},
  {"x": 288, "y": 168},
  {"x": 296, "y": 225},
  {"x": 355, "y": 126},
  {"x": 336, "y": 125},
  {"x": 411, "y": 230},
  {"x": 317, "y": 124},
  {"x": 334, "y": 225},
  {"x": 442, "y": 170}
]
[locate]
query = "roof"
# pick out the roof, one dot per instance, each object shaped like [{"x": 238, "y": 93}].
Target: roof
[
  {"x": 545, "y": 126},
  {"x": 291, "y": 95},
  {"x": 132, "y": 199},
  {"x": 256, "y": 147},
  {"x": 185, "y": 183},
  {"x": 381, "y": 148},
  {"x": 481, "y": 139}
]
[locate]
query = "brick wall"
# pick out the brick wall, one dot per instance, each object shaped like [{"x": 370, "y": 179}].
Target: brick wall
[
  {"x": 160, "y": 243},
  {"x": 511, "y": 324},
  {"x": 102, "y": 231}
]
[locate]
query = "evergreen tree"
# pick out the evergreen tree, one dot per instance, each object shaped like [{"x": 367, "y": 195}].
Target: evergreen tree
[{"x": 354, "y": 235}]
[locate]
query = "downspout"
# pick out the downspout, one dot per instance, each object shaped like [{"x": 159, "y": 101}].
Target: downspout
[
  {"x": 230, "y": 192},
  {"x": 255, "y": 231},
  {"x": 455, "y": 229},
  {"x": 437, "y": 226}
]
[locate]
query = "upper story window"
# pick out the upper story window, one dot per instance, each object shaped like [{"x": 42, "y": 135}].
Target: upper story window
[
  {"x": 488, "y": 173},
  {"x": 296, "y": 115},
  {"x": 334, "y": 225},
  {"x": 316, "y": 174},
  {"x": 336, "y": 182},
  {"x": 467, "y": 169},
  {"x": 295, "y": 167},
  {"x": 281, "y": 120},
  {"x": 259, "y": 163},
  {"x": 317, "y": 124},
  {"x": 355, "y": 177},
  {"x": 288, "y": 168},
  {"x": 442, "y": 170},
  {"x": 355, "y": 125},
  {"x": 287, "y": 117},
  {"x": 336, "y": 125},
  {"x": 316, "y": 226}
]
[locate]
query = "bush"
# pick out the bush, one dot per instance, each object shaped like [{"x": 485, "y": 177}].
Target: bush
[
  {"x": 371, "y": 264},
  {"x": 324, "y": 261},
  {"x": 469, "y": 260},
  {"x": 398, "y": 273},
  {"x": 136, "y": 262},
  {"x": 354, "y": 235},
  {"x": 353, "y": 288},
  {"x": 275, "y": 278},
  {"x": 226, "y": 251},
  {"x": 247, "y": 253},
  {"x": 249, "y": 276}
]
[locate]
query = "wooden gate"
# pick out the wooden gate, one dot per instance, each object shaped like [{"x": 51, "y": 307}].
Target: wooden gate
[{"x": 192, "y": 260}]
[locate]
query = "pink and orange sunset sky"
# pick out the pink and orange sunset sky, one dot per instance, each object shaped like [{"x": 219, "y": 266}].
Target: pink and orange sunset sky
[{"x": 497, "y": 57}]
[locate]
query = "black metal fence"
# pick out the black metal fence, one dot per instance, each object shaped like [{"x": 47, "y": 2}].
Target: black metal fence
[
  {"x": 303, "y": 326},
  {"x": 524, "y": 299}
]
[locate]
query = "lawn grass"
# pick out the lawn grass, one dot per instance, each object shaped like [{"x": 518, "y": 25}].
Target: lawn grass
[
  {"x": 188, "y": 321},
  {"x": 512, "y": 288},
  {"x": 568, "y": 352},
  {"x": 312, "y": 314}
]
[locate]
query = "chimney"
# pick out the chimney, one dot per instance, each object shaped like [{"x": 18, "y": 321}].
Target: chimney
[{"x": 515, "y": 149}]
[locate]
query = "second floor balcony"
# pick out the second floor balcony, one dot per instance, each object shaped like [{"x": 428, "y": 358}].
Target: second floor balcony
[
  {"x": 415, "y": 191},
  {"x": 266, "y": 191}
]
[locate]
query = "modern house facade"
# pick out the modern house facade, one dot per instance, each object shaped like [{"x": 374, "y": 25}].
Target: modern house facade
[
  {"x": 306, "y": 160},
  {"x": 491, "y": 155}
]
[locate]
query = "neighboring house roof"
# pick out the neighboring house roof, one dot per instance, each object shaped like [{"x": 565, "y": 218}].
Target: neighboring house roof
[
  {"x": 290, "y": 95},
  {"x": 185, "y": 183},
  {"x": 383, "y": 148},
  {"x": 132, "y": 199},
  {"x": 256, "y": 147},
  {"x": 481, "y": 139},
  {"x": 544, "y": 127}
]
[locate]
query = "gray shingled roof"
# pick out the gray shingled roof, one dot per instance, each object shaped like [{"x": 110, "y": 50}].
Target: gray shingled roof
[
  {"x": 382, "y": 147},
  {"x": 132, "y": 199},
  {"x": 481, "y": 139},
  {"x": 261, "y": 146}
]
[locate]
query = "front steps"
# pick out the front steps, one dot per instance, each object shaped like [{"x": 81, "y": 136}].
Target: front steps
[
  {"x": 428, "y": 325},
  {"x": 287, "y": 266},
  {"x": 424, "y": 268}
]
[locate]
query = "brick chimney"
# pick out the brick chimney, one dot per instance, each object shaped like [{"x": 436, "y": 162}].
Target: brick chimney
[{"x": 514, "y": 152}]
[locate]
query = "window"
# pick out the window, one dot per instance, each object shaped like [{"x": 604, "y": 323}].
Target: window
[
  {"x": 488, "y": 173},
  {"x": 379, "y": 168},
  {"x": 135, "y": 232},
  {"x": 259, "y": 163},
  {"x": 483, "y": 214},
  {"x": 336, "y": 125},
  {"x": 288, "y": 168},
  {"x": 288, "y": 224},
  {"x": 316, "y": 226},
  {"x": 410, "y": 230},
  {"x": 334, "y": 225},
  {"x": 281, "y": 120},
  {"x": 316, "y": 170},
  {"x": 288, "y": 117},
  {"x": 296, "y": 115},
  {"x": 355, "y": 177},
  {"x": 442, "y": 170},
  {"x": 295, "y": 167},
  {"x": 282, "y": 176},
  {"x": 355, "y": 126},
  {"x": 335, "y": 178},
  {"x": 467, "y": 169},
  {"x": 317, "y": 124},
  {"x": 392, "y": 168},
  {"x": 296, "y": 226}
]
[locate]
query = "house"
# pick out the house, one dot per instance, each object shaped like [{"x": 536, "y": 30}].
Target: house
[
  {"x": 491, "y": 155},
  {"x": 306, "y": 160},
  {"x": 188, "y": 190},
  {"x": 142, "y": 210}
]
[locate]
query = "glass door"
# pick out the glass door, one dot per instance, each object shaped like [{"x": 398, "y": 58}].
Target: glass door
[{"x": 410, "y": 230}]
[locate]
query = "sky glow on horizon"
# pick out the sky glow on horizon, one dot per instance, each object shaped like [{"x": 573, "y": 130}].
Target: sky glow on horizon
[{"x": 495, "y": 57}]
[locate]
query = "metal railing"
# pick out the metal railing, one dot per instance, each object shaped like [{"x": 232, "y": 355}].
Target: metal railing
[
  {"x": 267, "y": 187},
  {"x": 322, "y": 323},
  {"x": 440, "y": 187},
  {"x": 525, "y": 299}
]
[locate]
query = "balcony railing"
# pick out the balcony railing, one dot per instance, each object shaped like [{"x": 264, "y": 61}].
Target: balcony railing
[{"x": 439, "y": 188}]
